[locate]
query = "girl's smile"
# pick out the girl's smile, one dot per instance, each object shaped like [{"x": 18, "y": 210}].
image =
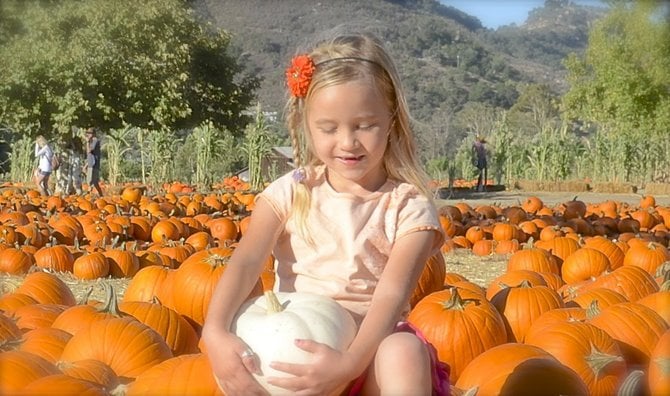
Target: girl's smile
[{"x": 349, "y": 125}]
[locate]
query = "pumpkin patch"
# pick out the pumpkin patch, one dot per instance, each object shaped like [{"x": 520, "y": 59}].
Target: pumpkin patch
[{"x": 110, "y": 294}]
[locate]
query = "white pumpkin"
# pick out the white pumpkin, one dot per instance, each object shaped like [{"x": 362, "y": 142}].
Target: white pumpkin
[{"x": 269, "y": 325}]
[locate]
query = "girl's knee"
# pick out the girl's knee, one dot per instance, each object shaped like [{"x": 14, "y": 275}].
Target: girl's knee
[
  {"x": 403, "y": 362},
  {"x": 404, "y": 344}
]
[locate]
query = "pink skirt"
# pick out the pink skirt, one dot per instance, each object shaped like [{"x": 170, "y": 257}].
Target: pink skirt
[{"x": 440, "y": 370}]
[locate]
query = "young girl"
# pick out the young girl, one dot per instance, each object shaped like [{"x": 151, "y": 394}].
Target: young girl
[
  {"x": 44, "y": 153},
  {"x": 354, "y": 222}
]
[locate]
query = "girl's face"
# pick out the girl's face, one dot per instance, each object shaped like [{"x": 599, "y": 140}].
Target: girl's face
[{"x": 349, "y": 125}]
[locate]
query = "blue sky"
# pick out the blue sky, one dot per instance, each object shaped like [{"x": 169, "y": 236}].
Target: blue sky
[{"x": 495, "y": 13}]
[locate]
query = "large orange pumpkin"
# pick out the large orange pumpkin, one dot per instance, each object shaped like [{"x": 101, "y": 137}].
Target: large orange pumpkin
[
  {"x": 658, "y": 374},
  {"x": 522, "y": 304},
  {"x": 584, "y": 264},
  {"x": 90, "y": 370},
  {"x": 431, "y": 280},
  {"x": 634, "y": 326},
  {"x": 45, "y": 342},
  {"x": 46, "y": 288},
  {"x": 460, "y": 328},
  {"x": 196, "y": 279},
  {"x": 586, "y": 349},
  {"x": 519, "y": 369},
  {"x": 175, "y": 330},
  {"x": 181, "y": 375},
  {"x": 64, "y": 385},
  {"x": 128, "y": 346},
  {"x": 20, "y": 368}
]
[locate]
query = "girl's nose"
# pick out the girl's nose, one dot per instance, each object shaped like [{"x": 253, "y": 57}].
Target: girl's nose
[{"x": 348, "y": 140}]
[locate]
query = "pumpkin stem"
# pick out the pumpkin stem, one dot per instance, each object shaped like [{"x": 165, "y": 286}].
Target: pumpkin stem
[
  {"x": 273, "y": 304},
  {"x": 632, "y": 384},
  {"x": 111, "y": 303},
  {"x": 598, "y": 360},
  {"x": 592, "y": 310},
  {"x": 84, "y": 298},
  {"x": 525, "y": 284},
  {"x": 456, "y": 301}
]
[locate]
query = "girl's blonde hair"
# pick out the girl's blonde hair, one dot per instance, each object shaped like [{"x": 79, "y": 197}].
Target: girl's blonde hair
[{"x": 342, "y": 59}]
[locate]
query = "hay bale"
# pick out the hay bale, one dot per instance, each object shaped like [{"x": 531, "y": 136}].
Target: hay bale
[
  {"x": 552, "y": 186},
  {"x": 657, "y": 189},
  {"x": 614, "y": 188},
  {"x": 573, "y": 186}
]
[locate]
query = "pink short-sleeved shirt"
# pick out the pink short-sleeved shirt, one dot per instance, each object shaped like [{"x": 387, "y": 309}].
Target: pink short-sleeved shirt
[{"x": 352, "y": 235}]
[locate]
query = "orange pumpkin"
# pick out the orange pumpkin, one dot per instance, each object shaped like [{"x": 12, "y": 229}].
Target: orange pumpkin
[
  {"x": 584, "y": 264},
  {"x": 658, "y": 375},
  {"x": 522, "y": 304},
  {"x": 20, "y": 368},
  {"x": 46, "y": 288},
  {"x": 636, "y": 328},
  {"x": 46, "y": 342},
  {"x": 196, "y": 279},
  {"x": 586, "y": 349},
  {"x": 15, "y": 261},
  {"x": 459, "y": 328},
  {"x": 107, "y": 340},
  {"x": 65, "y": 385},
  {"x": 91, "y": 370},
  {"x": 172, "y": 327},
  {"x": 431, "y": 279},
  {"x": 517, "y": 369},
  {"x": 187, "y": 374}
]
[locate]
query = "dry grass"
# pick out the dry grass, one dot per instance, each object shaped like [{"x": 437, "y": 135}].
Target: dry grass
[
  {"x": 80, "y": 288},
  {"x": 476, "y": 269},
  {"x": 480, "y": 270}
]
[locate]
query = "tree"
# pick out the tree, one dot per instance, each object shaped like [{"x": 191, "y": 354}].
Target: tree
[
  {"x": 621, "y": 83},
  {"x": 623, "y": 78},
  {"x": 535, "y": 110},
  {"x": 146, "y": 63}
]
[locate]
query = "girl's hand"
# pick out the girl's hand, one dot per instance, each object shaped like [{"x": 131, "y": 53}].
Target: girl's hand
[
  {"x": 232, "y": 367},
  {"x": 328, "y": 374}
]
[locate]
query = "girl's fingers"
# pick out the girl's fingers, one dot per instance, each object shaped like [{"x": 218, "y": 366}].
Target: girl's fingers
[{"x": 251, "y": 361}]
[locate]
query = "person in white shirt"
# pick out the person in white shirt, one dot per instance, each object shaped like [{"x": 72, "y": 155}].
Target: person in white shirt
[{"x": 44, "y": 153}]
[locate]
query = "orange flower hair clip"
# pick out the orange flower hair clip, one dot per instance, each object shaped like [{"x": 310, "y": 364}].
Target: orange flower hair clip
[{"x": 299, "y": 75}]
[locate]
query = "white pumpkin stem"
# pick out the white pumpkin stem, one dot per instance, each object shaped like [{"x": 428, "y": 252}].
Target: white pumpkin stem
[{"x": 273, "y": 304}]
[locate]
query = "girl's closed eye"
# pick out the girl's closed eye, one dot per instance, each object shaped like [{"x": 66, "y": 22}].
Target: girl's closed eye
[
  {"x": 366, "y": 127},
  {"x": 327, "y": 130}
]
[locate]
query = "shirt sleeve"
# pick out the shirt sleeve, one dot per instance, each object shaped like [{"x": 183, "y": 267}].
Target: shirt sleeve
[
  {"x": 279, "y": 194},
  {"x": 41, "y": 151},
  {"x": 420, "y": 214}
]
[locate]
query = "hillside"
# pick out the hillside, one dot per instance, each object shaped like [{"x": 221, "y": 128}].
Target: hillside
[{"x": 445, "y": 57}]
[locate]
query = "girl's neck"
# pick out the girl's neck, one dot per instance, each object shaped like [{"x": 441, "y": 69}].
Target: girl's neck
[{"x": 351, "y": 187}]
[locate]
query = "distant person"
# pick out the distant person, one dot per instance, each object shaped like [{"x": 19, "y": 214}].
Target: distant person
[
  {"x": 70, "y": 180},
  {"x": 479, "y": 155},
  {"x": 92, "y": 165},
  {"x": 44, "y": 154}
]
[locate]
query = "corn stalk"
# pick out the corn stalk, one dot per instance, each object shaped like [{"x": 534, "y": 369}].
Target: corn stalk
[
  {"x": 141, "y": 133},
  {"x": 203, "y": 135},
  {"x": 22, "y": 159},
  {"x": 256, "y": 147},
  {"x": 117, "y": 145},
  {"x": 162, "y": 146}
]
